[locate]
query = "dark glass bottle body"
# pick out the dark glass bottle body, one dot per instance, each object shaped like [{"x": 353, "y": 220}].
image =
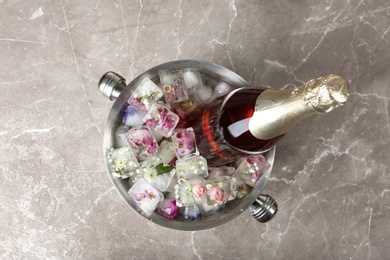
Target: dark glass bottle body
[{"x": 222, "y": 128}]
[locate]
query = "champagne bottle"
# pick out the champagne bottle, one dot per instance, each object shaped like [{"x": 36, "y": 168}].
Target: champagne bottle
[{"x": 251, "y": 120}]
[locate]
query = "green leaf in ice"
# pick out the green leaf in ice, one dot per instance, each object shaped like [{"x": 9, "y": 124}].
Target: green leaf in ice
[{"x": 161, "y": 169}]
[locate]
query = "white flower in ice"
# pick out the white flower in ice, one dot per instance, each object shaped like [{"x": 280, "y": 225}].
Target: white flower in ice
[{"x": 150, "y": 174}]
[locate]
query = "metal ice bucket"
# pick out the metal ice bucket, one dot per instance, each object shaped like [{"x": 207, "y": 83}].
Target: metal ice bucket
[{"x": 113, "y": 86}]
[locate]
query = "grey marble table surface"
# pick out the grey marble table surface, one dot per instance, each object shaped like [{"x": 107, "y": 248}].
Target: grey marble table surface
[{"x": 331, "y": 176}]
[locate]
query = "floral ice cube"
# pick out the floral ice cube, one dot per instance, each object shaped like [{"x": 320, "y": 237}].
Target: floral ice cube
[
  {"x": 218, "y": 191},
  {"x": 240, "y": 189},
  {"x": 184, "y": 142},
  {"x": 222, "y": 171},
  {"x": 156, "y": 172},
  {"x": 161, "y": 120},
  {"x": 168, "y": 208},
  {"x": 132, "y": 116},
  {"x": 144, "y": 95},
  {"x": 190, "y": 192},
  {"x": 166, "y": 151},
  {"x": 251, "y": 169},
  {"x": 189, "y": 105},
  {"x": 192, "y": 212},
  {"x": 174, "y": 93},
  {"x": 173, "y": 86},
  {"x": 142, "y": 141},
  {"x": 146, "y": 196},
  {"x": 192, "y": 79},
  {"x": 191, "y": 167},
  {"x": 123, "y": 162}
]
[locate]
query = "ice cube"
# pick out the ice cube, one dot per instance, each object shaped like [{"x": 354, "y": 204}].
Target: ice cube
[
  {"x": 208, "y": 210},
  {"x": 189, "y": 105},
  {"x": 192, "y": 79},
  {"x": 184, "y": 142},
  {"x": 168, "y": 208},
  {"x": 170, "y": 191},
  {"x": 189, "y": 192},
  {"x": 157, "y": 173},
  {"x": 161, "y": 120},
  {"x": 221, "y": 89},
  {"x": 166, "y": 151},
  {"x": 204, "y": 94},
  {"x": 240, "y": 189},
  {"x": 191, "y": 167},
  {"x": 251, "y": 169},
  {"x": 142, "y": 141},
  {"x": 132, "y": 117},
  {"x": 146, "y": 196},
  {"x": 120, "y": 136},
  {"x": 170, "y": 76},
  {"x": 173, "y": 86},
  {"x": 222, "y": 171},
  {"x": 191, "y": 213},
  {"x": 144, "y": 95},
  {"x": 218, "y": 191},
  {"x": 123, "y": 162}
]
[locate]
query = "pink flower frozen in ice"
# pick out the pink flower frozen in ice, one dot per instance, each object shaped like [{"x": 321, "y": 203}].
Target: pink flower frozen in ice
[
  {"x": 218, "y": 195},
  {"x": 149, "y": 195},
  {"x": 199, "y": 190},
  {"x": 168, "y": 208},
  {"x": 168, "y": 122},
  {"x": 139, "y": 196},
  {"x": 142, "y": 140},
  {"x": 161, "y": 119},
  {"x": 136, "y": 102},
  {"x": 256, "y": 165},
  {"x": 180, "y": 150},
  {"x": 145, "y": 194},
  {"x": 184, "y": 141},
  {"x": 151, "y": 122},
  {"x": 176, "y": 88}
]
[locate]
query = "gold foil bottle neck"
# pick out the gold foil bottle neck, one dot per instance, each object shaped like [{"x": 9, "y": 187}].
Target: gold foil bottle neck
[
  {"x": 277, "y": 111},
  {"x": 325, "y": 93}
]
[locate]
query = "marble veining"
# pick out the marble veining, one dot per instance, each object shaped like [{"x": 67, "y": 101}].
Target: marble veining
[{"x": 330, "y": 177}]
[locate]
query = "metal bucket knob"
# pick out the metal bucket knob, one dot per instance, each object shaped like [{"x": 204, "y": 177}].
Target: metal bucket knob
[
  {"x": 111, "y": 85},
  {"x": 264, "y": 208}
]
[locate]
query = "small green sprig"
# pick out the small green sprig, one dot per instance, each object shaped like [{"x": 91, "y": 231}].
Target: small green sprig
[{"x": 161, "y": 169}]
